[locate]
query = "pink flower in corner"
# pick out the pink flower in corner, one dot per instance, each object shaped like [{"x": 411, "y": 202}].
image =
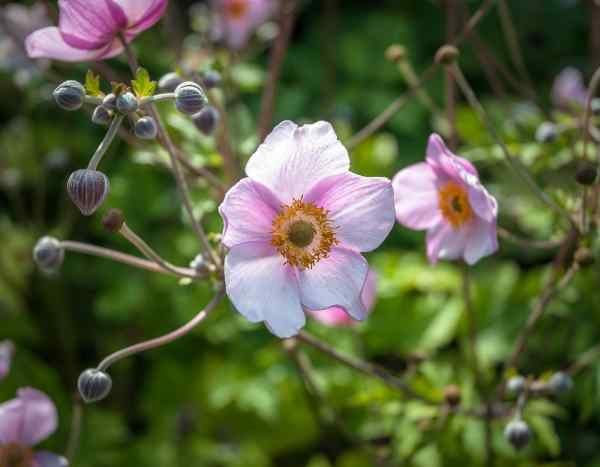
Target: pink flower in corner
[
  {"x": 295, "y": 228},
  {"x": 569, "y": 90},
  {"x": 7, "y": 350},
  {"x": 89, "y": 30},
  {"x": 236, "y": 20},
  {"x": 24, "y": 422},
  {"x": 443, "y": 196},
  {"x": 336, "y": 316}
]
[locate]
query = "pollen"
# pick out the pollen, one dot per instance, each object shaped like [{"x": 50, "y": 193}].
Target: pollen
[
  {"x": 236, "y": 9},
  {"x": 302, "y": 234},
  {"x": 454, "y": 204}
]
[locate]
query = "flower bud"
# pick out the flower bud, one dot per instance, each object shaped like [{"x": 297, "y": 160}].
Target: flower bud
[
  {"x": 518, "y": 434},
  {"x": 446, "y": 55},
  {"x": 206, "y": 120},
  {"x": 546, "y": 132},
  {"x": 110, "y": 102},
  {"x": 169, "y": 82},
  {"x": 198, "y": 263},
  {"x": 94, "y": 385},
  {"x": 189, "y": 98},
  {"x": 395, "y": 53},
  {"x": 127, "y": 103},
  {"x": 48, "y": 254},
  {"x": 211, "y": 79},
  {"x": 69, "y": 95},
  {"x": 113, "y": 220},
  {"x": 516, "y": 385},
  {"x": 452, "y": 395},
  {"x": 586, "y": 173},
  {"x": 88, "y": 189},
  {"x": 101, "y": 115},
  {"x": 560, "y": 383},
  {"x": 145, "y": 128}
]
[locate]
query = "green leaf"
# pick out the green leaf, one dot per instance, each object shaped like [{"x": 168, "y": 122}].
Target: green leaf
[
  {"x": 142, "y": 85},
  {"x": 92, "y": 84},
  {"x": 544, "y": 429}
]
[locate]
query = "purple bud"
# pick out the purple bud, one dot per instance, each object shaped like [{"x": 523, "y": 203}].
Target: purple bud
[
  {"x": 48, "y": 254},
  {"x": 145, "y": 128},
  {"x": 560, "y": 383},
  {"x": 88, "y": 189},
  {"x": 189, "y": 98},
  {"x": 206, "y": 120},
  {"x": 211, "y": 79},
  {"x": 110, "y": 102},
  {"x": 169, "y": 82},
  {"x": 127, "y": 103},
  {"x": 101, "y": 115},
  {"x": 94, "y": 385},
  {"x": 69, "y": 95},
  {"x": 518, "y": 434},
  {"x": 516, "y": 385}
]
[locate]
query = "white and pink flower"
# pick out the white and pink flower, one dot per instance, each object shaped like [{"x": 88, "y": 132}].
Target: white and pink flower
[
  {"x": 295, "y": 228},
  {"x": 443, "y": 195},
  {"x": 236, "y": 20}
]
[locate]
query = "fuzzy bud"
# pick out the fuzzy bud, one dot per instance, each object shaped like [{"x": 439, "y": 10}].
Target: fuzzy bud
[
  {"x": 189, "y": 98},
  {"x": 48, "y": 254},
  {"x": 101, "y": 115},
  {"x": 206, "y": 120},
  {"x": 516, "y": 385},
  {"x": 518, "y": 434},
  {"x": 145, "y": 128},
  {"x": 586, "y": 173},
  {"x": 560, "y": 383},
  {"x": 69, "y": 95},
  {"x": 110, "y": 102},
  {"x": 127, "y": 103},
  {"x": 169, "y": 82},
  {"x": 88, "y": 190},
  {"x": 113, "y": 220},
  {"x": 211, "y": 79},
  {"x": 446, "y": 55},
  {"x": 94, "y": 385},
  {"x": 546, "y": 132},
  {"x": 395, "y": 53},
  {"x": 452, "y": 395}
]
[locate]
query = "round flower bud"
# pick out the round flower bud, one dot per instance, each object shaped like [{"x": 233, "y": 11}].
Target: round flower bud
[
  {"x": 395, "y": 53},
  {"x": 189, "y": 98},
  {"x": 94, "y": 385},
  {"x": 113, "y": 220},
  {"x": 560, "y": 383},
  {"x": 88, "y": 189},
  {"x": 101, "y": 115},
  {"x": 518, "y": 434},
  {"x": 206, "y": 120},
  {"x": 48, "y": 254},
  {"x": 145, "y": 128},
  {"x": 586, "y": 173},
  {"x": 198, "y": 263},
  {"x": 69, "y": 95},
  {"x": 169, "y": 82},
  {"x": 452, "y": 395},
  {"x": 127, "y": 103},
  {"x": 110, "y": 102},
  {"x": 516, "y": 385},
  {"x": 546, "y": 132},
  {"x": 211, "y": 79},
  {"x": 446, "y": 55}
]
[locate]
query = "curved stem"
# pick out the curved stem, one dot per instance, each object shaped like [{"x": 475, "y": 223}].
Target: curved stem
[
  {"x": 162, "y": 340},
  {"x": 115, "y": 124},
  {"x": 75, "y": 431},
  {"x": 94, "y": 100},
  {"x": 167, "y": 96}
]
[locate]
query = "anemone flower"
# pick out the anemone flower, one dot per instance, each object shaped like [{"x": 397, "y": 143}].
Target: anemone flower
[
  {"x": 236, "y": 20},
  {"x": 337, "y": 317},
  {"x": 569, "y": 90},
  {"x": 295, "y": 228},
  {"x": 7, "y": 350},
  {"x": 443, "y": 195},
  {"x": 24, "y": 422},
  {"x": 92, "y": 30}
]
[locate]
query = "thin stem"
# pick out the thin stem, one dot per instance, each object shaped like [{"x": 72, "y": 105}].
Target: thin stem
[
  {"x": 75, "y": 431},
  {"x": 593, "y": 87},
  {"x": 93, "y": 100},
  {"x": 471, "y": 325},
  {"x": 162, "y": 340},
  {"x": 167, "y": 96},
  {"x": 529, "y": 243},
  {"x": 115, "y": 124},
  {"x": 408, "y": 73},
  {"x": 231, "y": 165},
  {"x": 588, "y": 357},
  {"x": 124, "y": 258}
]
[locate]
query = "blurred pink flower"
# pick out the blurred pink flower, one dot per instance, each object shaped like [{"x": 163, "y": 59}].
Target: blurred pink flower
[
  {"x": 336, "y": 316},
  {"x": 89, "y": 30},
  {"x": 236, "y": 20},
  {"x": 443, "y": 195},
  {"x": 7, "y": 350},
  {"x": 24, "y": 422},
  {"x": 295, "y": 228},
  {"x": 569, "y": 89}
]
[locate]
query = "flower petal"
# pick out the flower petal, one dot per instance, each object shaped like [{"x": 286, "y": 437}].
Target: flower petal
[
  {"x": 484, "y": 204},
  {"x": 441, "y": 159},
  {"x": 236, "y": 30},
  {"x": 248, "y": 211},
  {"x": 262, "y": 288},
  {"x": 445, "y": 242},
  {"x": 48, "y": 43},
  {"x": 482, "y": 241},
  {"x": 337, "y": 280},
  {"x": 49, "y": 459},
  {"x": 28, "y": 419},
  {"x": 416, "y": 197},
  {"x": 142, "y": 14},
  {"x": 293, "y": 159},
  {"x": 360, "y": 208}
]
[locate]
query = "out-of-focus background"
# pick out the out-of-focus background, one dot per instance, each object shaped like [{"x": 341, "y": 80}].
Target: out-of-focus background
[{"x": 229, "y": 394}]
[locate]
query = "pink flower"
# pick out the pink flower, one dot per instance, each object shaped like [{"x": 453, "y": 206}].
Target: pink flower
[
  {"x": 24, "y": 422},
  {"x": 568, "y": 90},
  {"x": 295, "y": 228},
  {"x": 89, "y": 30},
  {"x": 443, "y": 196},
  {"x": 7, "y": 350},
  {"x": 336, "y": 316},
  {"x": 236, "y": 20}
]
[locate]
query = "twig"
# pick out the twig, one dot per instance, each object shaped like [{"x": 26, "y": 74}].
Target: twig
[
  {"x": 529, "y": 243},
  {"x": 115, "y": 124}
]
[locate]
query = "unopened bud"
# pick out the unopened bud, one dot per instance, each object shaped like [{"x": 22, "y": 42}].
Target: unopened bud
[
  {"x": 101, "y": 115},
  {"x": 69, "y": 95},
  {"x": 145, "y": 128},
  {"x": 94, "y": 385},
  {"x": 518, "y": 434},
  {"x": 446, "y": 55},
  {"x": 127, "y": 103},
  {"x": 88, "y": 190},
  {"x": 113, "y": 220},
  {"x": 189, "y": 98},
  {"x": 169, "y": 82},
  {"x": 452, "y": 395},
  {"x": 586, "y": 173},
  {"x": 48, "y": 254},
  {"x": 206, "y": 120},
  {"x": 395, "y": 53},
  {"x": 560, "y": 383},
  {"x": 110, "y": 102},
  {"x": 198, "y": 263},
  {"x": 516, "y": 385},
  {"x": 546, "y": 132},
  {"x": 211, "y": 79}
]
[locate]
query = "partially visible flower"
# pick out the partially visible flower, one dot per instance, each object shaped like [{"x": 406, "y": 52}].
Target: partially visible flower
[
  {"x": 25, "y": 422},
  {"x": 295, "y": 228},
  {"x": 336, "y": 316},
  {"x": 7, "y": 349},
  {"x": 90, "y": 30},
  {"x": 443, "y": 195},
  {"x": 236, "y": 20},
  {"x": 569, "y": 89}
]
